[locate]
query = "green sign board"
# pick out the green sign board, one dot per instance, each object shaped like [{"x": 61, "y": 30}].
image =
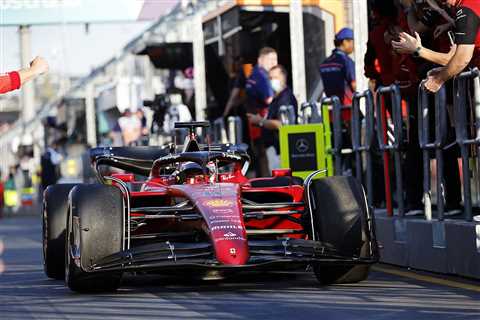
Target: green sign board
[{"x": 305, "y": 148}]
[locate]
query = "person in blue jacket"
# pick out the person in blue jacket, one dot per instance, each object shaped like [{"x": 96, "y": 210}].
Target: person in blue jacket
[
  {"x": 259, "y": 96},
  {"x": 338, "y": 70}
]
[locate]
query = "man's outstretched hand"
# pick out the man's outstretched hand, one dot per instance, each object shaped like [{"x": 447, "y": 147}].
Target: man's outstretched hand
[
  {"x": 39, "y": 66},
  {"x": 407, "y": 44}
]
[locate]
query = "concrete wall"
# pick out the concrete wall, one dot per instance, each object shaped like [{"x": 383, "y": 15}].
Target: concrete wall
[{"x": 450, "y": 247}]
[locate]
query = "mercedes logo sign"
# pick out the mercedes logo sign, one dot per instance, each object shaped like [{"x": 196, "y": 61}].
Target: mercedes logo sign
[{"x": 302, "y": 145}]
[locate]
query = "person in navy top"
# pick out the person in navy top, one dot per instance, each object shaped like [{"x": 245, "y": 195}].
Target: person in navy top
[
  {"x": 271, "y": 123},
  {"x": 259, "y": 90},
  {"x": 338, "y": 77},
  {"x": 338, "y": 70},
  {"x": 259, "y": 95}
]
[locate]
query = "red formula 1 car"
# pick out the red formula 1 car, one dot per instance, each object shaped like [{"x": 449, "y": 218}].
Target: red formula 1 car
[{"x": 195, "y": 209}]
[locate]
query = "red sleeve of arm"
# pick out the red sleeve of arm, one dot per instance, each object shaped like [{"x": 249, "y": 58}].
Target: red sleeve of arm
[
  {"x": 9, "y": 82},
  {"x": 15, "y": 79}
]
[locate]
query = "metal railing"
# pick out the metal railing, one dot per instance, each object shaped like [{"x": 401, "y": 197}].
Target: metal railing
[
  {"x": 462, "y": 99},
  {"x": 310, "y": 113},
  {"x": 235, "y": 128},
  {"x": 359, "y": 148},
  {"x": 390, "y": 136},
  {"x": 287, "y": 115},
  {"x": 218, "y": 131},
  {"x": 394, "y": 146},
  {"x": 437, "y": 144},
  {"x": 232, "y": 133}
]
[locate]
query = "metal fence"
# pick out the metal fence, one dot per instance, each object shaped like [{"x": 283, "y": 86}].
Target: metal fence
[
  {"x": 388, "y": 124},
  {"x": 229, "y": 133},
  {"x": 467, "y": 111},
  {"x": 287, "y": 115},
  {"x": 363, "y": 146},
  {"x": 310, "y": 113},
  {"x": 394, "y": 145},
  {"x": 437, "y": 145}
]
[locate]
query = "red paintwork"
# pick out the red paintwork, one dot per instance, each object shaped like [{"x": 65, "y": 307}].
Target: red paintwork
[
  {"x": 221, "y": 209},
  {"x": 220, "y": 205},
  {"x": 281, "y": 172},
  {"x": 296, "y": 192},
  {"x": 125, "y": 177}
]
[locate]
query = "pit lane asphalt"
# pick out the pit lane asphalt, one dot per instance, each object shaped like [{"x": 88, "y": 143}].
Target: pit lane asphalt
[{"x": 26, "y": 293}]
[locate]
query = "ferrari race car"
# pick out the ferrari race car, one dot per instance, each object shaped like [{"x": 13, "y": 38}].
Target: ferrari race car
[{"x": 191, "y": 209}]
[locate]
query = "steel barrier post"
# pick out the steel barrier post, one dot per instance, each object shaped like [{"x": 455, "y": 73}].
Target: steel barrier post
[
  {"x": 292, "y": 114},
  {"x": 460, "y": 102},
  {"x": 283, "y": 115},
  {"x": 234, "y": 129},
  {"x": 315, "y": 115},
  {"x": 337, "y": 131},
  {"x": 219, "y": 132},
  {"x": 287, "y": 115},
  {"x": 437, "y": 145},
  {"x": 386, "y": 162},
  {"x": 357, "y": 146},
  {"x": 394, "y": 92}
]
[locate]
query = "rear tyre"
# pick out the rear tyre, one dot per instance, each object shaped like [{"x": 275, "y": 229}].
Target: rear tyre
[
  {"x": 53, "y": 225},
  {"x": 94, "y": 231},
  {"x": 340, "y": 220}
]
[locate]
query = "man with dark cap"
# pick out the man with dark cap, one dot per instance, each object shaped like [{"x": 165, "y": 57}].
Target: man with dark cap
[
  {"x": 338, "y": 70},
  {"x": 338, "y": 77}
]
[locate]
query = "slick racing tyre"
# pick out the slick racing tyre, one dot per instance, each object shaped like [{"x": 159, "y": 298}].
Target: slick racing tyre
[
  {"x": 340, "y": 220},
  {"x": 94, "y": 231},
  {"x": 54, "y": 214}
]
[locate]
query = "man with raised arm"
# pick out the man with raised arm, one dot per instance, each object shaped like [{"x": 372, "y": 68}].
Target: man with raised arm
[{"x": 15, "y": 79}]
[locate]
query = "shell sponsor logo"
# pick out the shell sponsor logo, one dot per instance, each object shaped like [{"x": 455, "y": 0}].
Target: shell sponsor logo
[{"x": 216, "y": 203}]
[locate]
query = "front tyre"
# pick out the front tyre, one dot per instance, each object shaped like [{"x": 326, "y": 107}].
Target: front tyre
[
  {"x": 94, "y": 231},
  {"x": 340, "y": 215}
]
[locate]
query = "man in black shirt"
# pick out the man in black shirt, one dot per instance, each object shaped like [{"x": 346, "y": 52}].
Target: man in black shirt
[
  {"x": 466, "y": 51},
  {"x": 271, "y": 123}
]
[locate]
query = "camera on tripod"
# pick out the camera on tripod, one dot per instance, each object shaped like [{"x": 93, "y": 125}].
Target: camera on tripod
[{"x": 159, "y": 105}]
